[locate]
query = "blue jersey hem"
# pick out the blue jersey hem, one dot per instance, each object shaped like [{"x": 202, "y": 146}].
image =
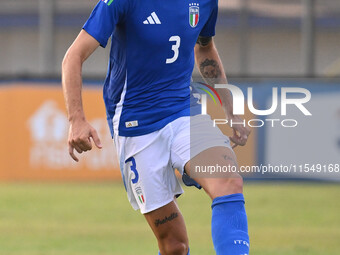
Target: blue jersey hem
[{"x": 147, "y": 130}]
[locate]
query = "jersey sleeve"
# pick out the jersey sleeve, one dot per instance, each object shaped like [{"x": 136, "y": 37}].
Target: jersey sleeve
[
  {"x": 104, "y": 18},
  {"x": 209, "y": 28}
]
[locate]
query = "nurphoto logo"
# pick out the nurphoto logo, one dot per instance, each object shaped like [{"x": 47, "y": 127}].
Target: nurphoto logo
[{"x": 288, "y": 98}]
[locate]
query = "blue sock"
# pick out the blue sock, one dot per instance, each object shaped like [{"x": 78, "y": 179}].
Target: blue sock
[
  {"x": 187, "y": 254},
  {"x": 229, "y": 225}
]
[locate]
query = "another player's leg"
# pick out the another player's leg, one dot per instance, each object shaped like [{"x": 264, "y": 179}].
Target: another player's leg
[
  {"x": 229, "y": 220},
  {"x": 168, "y": 225}
]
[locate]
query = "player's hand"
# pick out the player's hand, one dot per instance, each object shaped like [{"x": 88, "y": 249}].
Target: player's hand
[
  {"x": 79, "y": 139},
  {"x": 241, "y": 132}
]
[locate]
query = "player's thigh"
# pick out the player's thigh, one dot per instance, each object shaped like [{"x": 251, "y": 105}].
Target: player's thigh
[
  {"x": 216, "y": 170},
  {"x": 168, "y": 225},
  {"x": 149, "y": 178}
]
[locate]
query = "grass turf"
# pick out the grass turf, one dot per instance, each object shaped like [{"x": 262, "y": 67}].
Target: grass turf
[{"x": 96, "y": 219}]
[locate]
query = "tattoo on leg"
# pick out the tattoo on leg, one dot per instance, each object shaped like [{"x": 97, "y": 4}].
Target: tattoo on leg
[
  {"x": 166, "y": 219},
  {"x": 229, "y": 158},
  {"x": 210, "y": 69}
]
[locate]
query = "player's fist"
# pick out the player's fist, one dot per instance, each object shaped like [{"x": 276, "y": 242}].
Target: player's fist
[
  {"x": 240, "y": 132},
  {"x": 79, "y": 138}
]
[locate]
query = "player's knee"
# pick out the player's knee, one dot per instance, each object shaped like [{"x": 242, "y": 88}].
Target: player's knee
[
  {"x": 226, "y": 186},
  {"x": 235, "y": 184},
  {"x": 174, "y": 247}
]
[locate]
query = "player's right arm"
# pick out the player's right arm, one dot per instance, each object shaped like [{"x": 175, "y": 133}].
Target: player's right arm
[{"x": 80, "y": 132}]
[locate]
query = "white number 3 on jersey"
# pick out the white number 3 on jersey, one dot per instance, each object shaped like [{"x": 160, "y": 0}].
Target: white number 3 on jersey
[{"x": 175, "y": 48}]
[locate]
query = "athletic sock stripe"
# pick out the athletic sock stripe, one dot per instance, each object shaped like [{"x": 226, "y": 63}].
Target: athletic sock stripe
[
  {"x": 155, "y": 17},
  {"x": 151, "y": 20}
]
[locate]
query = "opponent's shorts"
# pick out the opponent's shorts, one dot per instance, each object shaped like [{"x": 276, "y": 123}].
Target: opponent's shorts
[{"x": 148, "y": 162}]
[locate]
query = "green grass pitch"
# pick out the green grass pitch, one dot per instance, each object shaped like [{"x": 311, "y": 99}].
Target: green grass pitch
[{"x": 96, "y": 219}]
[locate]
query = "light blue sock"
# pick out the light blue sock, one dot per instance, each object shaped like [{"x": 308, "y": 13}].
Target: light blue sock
[
  {"x": 187, "y": 254},
  {"x": 229, "y": 225}
]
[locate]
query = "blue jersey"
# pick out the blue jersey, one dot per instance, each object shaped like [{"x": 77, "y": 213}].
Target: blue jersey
[{"x": 151, "y": 58}]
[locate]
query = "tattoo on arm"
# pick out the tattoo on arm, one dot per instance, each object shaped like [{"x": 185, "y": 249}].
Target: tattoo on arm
[
  {"x": 210, "y": 69},
  {"x": 203, "y": 41},
  {"x": 166, "y": 219}
]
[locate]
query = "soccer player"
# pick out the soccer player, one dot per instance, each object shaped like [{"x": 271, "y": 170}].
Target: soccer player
[{"x": 147, "y": 98}]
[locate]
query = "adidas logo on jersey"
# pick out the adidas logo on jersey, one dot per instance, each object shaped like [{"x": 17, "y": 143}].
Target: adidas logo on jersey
[
  {"x": 153, "y": 19},
  {"x": 129, "y": 124}
]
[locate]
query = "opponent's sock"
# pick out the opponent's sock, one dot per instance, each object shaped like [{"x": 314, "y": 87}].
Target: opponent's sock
[
  {"x": 229, "y": 225},
  {"x": 187, "y": 254}
]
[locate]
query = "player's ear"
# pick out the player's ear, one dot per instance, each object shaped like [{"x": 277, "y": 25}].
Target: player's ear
[{"x": 204, "y": 41}]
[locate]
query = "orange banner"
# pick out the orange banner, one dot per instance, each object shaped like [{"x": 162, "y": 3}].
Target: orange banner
[{"x": 34, "y": 130}]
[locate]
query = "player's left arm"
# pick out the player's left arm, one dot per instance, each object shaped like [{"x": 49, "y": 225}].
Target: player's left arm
[{"x": 211, "y": 69}]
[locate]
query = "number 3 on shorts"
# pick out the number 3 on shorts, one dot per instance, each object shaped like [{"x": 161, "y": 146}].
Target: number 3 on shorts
[
  {"x": 175, "y": 48},
  {"x": 133, "y": 169}
]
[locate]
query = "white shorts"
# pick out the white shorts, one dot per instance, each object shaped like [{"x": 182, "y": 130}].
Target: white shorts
[{"x": 148, "y": 162}]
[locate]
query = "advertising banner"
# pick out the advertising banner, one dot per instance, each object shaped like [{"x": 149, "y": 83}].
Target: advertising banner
[{"x": 34, "y": 131}]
